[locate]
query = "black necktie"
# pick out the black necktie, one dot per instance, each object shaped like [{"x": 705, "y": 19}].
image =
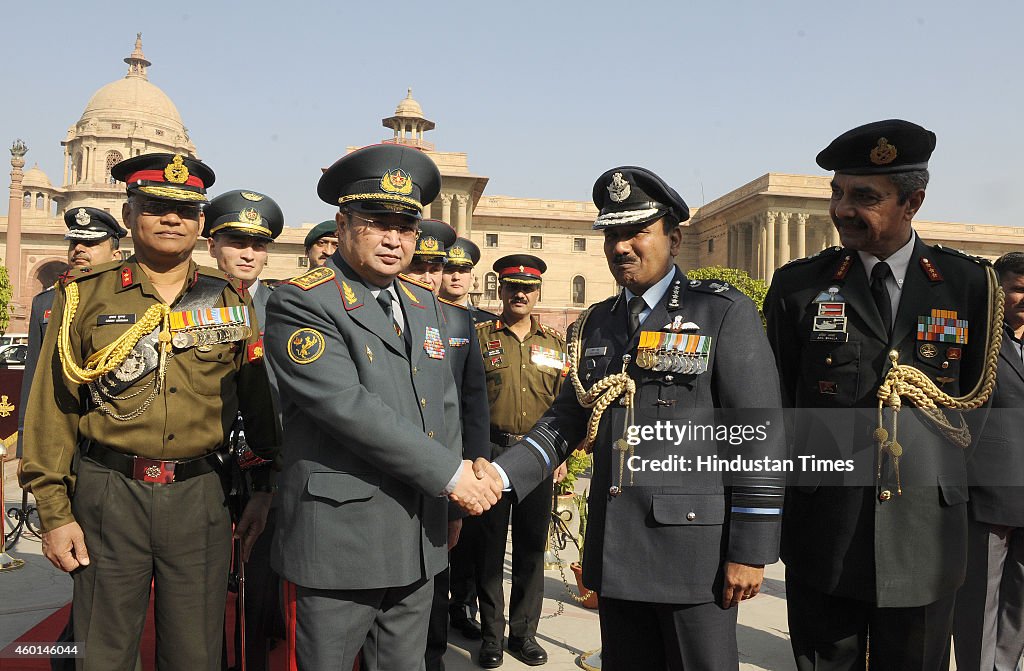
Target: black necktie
[
  {"x": 384, "y": 298},
  {"x": 880, "y": 292},
  {"x": 636, "y": 305}
]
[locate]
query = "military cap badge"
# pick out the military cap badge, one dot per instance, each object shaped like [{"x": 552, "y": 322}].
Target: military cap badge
[
  {"x": 82, "y": 218},
  {"x": 457, "y": 253},
  {"x": 396, "y": 181},
  {"x": 176, "y": 171},
  {"x": 884, "y": 153},
  {"x": 428, "y": 244},
  {"x": 249, "y": 195},
  {"x": 618, "y": 189}
]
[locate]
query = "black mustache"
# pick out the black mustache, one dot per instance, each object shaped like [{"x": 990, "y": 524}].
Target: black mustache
[{"x": 619, "y": 259}]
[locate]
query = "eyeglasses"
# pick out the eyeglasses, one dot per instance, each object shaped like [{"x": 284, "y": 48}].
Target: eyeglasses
[
  {"x": 404, "y": 230},
  {"x": 159, "y": 208}
]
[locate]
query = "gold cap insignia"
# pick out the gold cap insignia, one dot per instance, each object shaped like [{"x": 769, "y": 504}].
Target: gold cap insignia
[
  {"x": 522, "y": 269},
  {"x": 249, "y": 195},
  {"x": 619, "y": 189},
  {"x": 396, "y": 181},
  {"x": 884, "y": 153},
  {"x": 249, "y": 216},
  {"x": 457, "y": 253},
  {"x": 176, "y": 171},
  {"x": 428, "y": 244},
  {"x": 82, "y": 217}
]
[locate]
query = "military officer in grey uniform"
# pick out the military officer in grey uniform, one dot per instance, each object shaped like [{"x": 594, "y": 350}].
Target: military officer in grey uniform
[
  {"x": 94, "y": 238},
  {"x": 372, "y": 431},
  {"x": 988, "y": 624},
  {"x": 468, "y": 368},
  {"x": 457, "y": 278},
  {"x": 240, "y": 226},
  {"x": 880, "y": 551},
  {"x": 670, "y": 556}
]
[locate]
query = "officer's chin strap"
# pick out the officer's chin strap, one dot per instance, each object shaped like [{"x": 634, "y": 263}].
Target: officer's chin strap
[
  {"x": 602, "y": 394},
  {"x": 905, "y": 380}
]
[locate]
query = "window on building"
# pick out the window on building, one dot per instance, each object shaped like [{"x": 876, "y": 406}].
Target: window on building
[
  {"x": 579, "y": 244},
  {"x": 302, "y": 261},
  {"x": 579, "y": 290},
  {"x": 491, "y": 286},
  {"x": 115, "y": 126},
  {"x": 113, "y": 158},
  {"x": 159, "y": 132},
  {"x": 536, "y": 242},
  {"x": 40, "y": 202},
  {"x": 491, "y": 240},
  {"x": 26, "y": 201},
  {"x": 711, "y": 245}
]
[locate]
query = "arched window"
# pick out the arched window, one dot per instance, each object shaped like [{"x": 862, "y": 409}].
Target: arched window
[
  {"x": 579, "y": 290},
  {"x": 26, "y": 201},
  {"x": 113, "y": 158},
  {"x": 78, "y": 167},
  {"x": 491, "y": 287},
  {"x": 40, "y": 201}
]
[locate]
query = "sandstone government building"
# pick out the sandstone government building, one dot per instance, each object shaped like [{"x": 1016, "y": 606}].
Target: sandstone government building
[{"x": 757, "y": 227}]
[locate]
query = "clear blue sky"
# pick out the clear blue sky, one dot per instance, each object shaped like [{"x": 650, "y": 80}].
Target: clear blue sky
[{"x": 544, "y": 96}]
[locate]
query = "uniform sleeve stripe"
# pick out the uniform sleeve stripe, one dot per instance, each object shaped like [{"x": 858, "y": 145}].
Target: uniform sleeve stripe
[
  {"x": 543, "y": 452},
  {"x": 758, "y": 511}
]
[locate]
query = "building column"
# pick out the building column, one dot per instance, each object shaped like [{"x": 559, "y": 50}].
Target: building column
[
  {"x": 14, "y": 209},
  {"x": 67, "y": 162},
  {"x": 769, "y": 248},
  {"x": 446, "y": 208},
  {"x": 463, "y": 201},
  {"x": 833, "y": 236},
  {"x": 783, "y": 238},
  {"x": 801, "y": 235},
  {"x": 758, "y": 248}
]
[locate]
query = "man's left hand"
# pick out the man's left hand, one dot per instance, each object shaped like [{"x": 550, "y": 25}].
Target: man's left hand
[
  {"x": 742, "y": 581},
  {"x": 254, "y": 519}
]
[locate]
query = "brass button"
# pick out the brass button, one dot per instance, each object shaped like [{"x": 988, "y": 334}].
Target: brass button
[
  {"x": 423, "y": 402},
  {"x": 524, "y": 365},
  {"x": 945, "y": 364},
  {"x": 828, "y": 360},
  {"x": 691, "y": 516},
  {"x": 524, "y": 388},
  {"x": 415, "y": 370},
  {"x": 885, "y": 495},
  {"x": 524, "y": 413},
  {"x": 430, "y": 434}
]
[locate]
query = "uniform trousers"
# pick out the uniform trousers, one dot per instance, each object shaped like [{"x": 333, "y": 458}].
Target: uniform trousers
[
  {"x": 437, "y": 629},
  {"x": 176, "y": 537},
  {"x": 830, "y": 633},
  {"x": 531, "y": 520},
  {"x": 388, "y": 624},
  {"x": 464, "y": 560},
  {"x": 988, "y": 628},
  {"x": 667, "y": 637}
]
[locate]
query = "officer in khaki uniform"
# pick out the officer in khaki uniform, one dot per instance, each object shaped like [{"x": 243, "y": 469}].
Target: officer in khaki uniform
[
  {"x": 525, "y": 365},
  {"x": 877, "y": 554},
  {"x": 144, "y": 369}
]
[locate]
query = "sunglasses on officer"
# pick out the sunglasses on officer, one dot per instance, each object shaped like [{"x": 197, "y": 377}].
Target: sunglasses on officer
[{"x": 152, "y": 207}]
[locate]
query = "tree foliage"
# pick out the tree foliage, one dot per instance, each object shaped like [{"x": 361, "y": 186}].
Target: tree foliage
[
  {"x": 756, "y": 290},
  {"x": 6, "y": 294}
]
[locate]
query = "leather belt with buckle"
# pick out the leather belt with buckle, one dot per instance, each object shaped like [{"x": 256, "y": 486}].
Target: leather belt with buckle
[
  {"x": 504, "y": 438},
  {"x": 150, "y": 470}
]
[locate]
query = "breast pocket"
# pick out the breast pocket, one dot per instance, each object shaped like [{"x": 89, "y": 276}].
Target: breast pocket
[
  {"x": 496, "y": 368},
  {"x": 212, "y": 368},
  {"x": 831, "y": 373}
]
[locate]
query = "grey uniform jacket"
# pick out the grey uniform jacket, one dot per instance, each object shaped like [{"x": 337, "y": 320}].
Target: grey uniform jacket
[
  {"x": 42, "y": 303},
  {"x": 666, "y": 541},
  {"x": 371, "y": 438},
  {"x": 996, "y": 460},
  {"x": 867, "y": 542}
]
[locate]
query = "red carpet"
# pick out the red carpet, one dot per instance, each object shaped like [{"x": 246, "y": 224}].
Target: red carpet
[{"x": 50, "y": 628}]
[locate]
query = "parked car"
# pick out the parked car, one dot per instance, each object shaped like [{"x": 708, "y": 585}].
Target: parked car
[{"x": 14, "y": 356}]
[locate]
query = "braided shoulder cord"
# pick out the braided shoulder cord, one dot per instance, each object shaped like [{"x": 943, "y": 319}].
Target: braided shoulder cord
[
  {"x": 603, "y": 392},
  {"x": 113, "y": 355},
  {"x": 904, "y": 380}
]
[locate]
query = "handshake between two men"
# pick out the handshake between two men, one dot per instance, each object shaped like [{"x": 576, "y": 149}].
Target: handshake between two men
[{"x": 478, "y": 487}]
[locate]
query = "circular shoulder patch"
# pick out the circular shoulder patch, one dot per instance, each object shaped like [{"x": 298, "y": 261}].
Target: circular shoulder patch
[{"x": 305, "y": 346}]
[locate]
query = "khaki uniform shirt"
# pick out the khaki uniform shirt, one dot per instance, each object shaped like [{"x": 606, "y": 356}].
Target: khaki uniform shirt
[
  {"x": 523, "y": 378},
  {"x": 190, "y": 416}
]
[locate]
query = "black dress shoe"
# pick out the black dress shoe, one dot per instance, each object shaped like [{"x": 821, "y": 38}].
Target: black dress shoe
[
  {"x": 491, "y": 655},
  {"x": 469, "y": 628},
  {"x": 527, "y": 650}
]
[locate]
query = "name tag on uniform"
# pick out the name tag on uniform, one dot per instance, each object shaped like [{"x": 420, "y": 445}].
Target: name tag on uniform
[
  {"x": 106, "y": 320},
  {"x": 595, "y": 351}
]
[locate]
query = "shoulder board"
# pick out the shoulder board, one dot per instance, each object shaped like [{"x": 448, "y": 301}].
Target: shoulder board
[
  {"x": 828, "y": 252},
  {"x": 720, "y": 287},
  {"x": 962, "y": 254},
  {"x": 423, "y": 285},
  {"x": 486, "y": 325},
  {"x": 313, "y": 278},
  {"x": 454, "y": 305},
  {"x": 555, "y": 333},
  {"x": 77, "y": 274}
]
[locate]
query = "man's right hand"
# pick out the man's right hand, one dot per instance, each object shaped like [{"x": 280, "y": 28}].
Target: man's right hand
[
  {"x": 474, "y": 494},
  {"x": 65, "y": 547}
]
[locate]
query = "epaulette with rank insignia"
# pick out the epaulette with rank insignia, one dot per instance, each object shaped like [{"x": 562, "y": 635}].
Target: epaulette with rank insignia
[
  {"x": 712, "y": 286},
  {"x": 495, "y": 323},
  {"x": 962, "y": 254},
  {"x": 76, "y": 274},
  {"x": 448, "y": 302},
  {"x": 313, "y": 278},
  {"x": 410, "y": 280},
  {"x": 828, "y": 251},
  {"x": 555, "y": 333}
]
